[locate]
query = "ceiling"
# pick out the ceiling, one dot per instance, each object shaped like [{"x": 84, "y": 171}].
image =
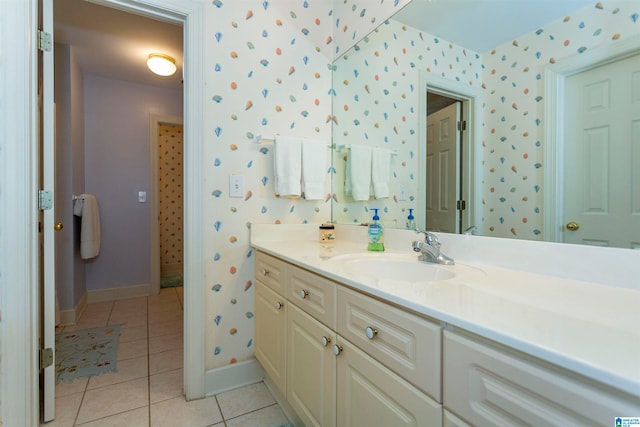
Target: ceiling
[
  {"x": 481, "y": 25},
  {"x": 111, "y": 43}
]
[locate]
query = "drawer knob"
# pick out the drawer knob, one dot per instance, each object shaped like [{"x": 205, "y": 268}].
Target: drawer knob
[
  {"x": 325, "y": 341},
  {"x": 304, "y": 293},
  {"x": 265, "y": 272},
  {"x": 371, "y": 332},
  {"x": 278, "y": 305},
  {"x": 337, "y": 349}
]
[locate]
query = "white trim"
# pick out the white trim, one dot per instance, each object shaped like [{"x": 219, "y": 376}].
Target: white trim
[
  {"x": 71, "y": 317},
  {"x": 472, "y": 110},
  {"x": 554, "y": 106},
  {"x": 233, "y": 376},
  {"x": 154, "y": 125},
  {"x": 19, "y": 251},
  {"x": 124, "y": 292},
  {"x": 191, "y": 14}
]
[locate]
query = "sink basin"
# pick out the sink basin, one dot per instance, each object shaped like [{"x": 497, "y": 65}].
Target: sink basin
[{"x": 391, "y": 267}]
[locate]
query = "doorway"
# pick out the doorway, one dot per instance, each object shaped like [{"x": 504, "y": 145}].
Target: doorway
[
  {"x": 444, "y": 155},
  {"x": 167, "y": 202}
]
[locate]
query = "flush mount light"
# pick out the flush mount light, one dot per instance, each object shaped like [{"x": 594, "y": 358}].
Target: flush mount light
[{"x": 161, "y": 64}]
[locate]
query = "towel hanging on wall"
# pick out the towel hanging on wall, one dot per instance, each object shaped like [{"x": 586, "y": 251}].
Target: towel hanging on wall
[
  {"x": 360, "y": 172},
  {"x": 380, "y": 172},
  {"x": 86, "y": 207},
  {"x": 314, "y": 168},
  {"x": 287, "y": 166}
]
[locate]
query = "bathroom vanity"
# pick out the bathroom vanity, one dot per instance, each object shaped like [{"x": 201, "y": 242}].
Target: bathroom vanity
[{"x": 348, "y": 337}]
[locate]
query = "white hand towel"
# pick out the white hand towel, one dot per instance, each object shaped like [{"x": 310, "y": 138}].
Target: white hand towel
[
  {"x": 380, "y": 172},
  {"x": 287, "y": 166},
  {"x": 314, "y": 168},
  {"x": 360, "y": 172},
  {"x": 77, "y": 206},
  {"x": 89, "y": 228}
]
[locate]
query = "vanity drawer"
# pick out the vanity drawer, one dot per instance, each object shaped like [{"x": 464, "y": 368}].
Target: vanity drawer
[
  {"x": 271, "y": 271},
  {"x": 407, "y": 344},
  {"x": 491, "y": 385},
  {"x": 313, "y": 294}
]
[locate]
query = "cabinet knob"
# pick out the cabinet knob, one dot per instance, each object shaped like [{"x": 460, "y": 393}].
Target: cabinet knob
[
  {"x": 278, "y": 305},
  {"x": 371, "y": 332},
  {"x": 325, "y": 341},
  {"x": 265, "y": 272},
  {"x": 304, "y": 293},
  {"x": 337, "y": 349}
]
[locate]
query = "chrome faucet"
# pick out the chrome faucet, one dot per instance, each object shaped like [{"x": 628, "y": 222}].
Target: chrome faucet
[{"x": 430, "y": 249}]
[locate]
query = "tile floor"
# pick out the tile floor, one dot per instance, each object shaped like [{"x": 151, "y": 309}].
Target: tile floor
[{"x": 146, "y": 389}]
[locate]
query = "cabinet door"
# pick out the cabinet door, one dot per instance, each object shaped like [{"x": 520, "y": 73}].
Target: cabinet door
[
  {"x": 270, "y": 334},
  {"x": 371, "y": 395},
  {"x": 311, "y": 369}
]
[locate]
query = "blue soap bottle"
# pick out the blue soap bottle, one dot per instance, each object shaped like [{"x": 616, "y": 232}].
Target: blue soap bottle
[
  {"x": 411, "y": 221},
  {"x": 375, "y": 232}
]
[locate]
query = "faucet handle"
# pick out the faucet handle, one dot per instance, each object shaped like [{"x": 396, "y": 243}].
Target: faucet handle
[{"x": 429, "y": 238}]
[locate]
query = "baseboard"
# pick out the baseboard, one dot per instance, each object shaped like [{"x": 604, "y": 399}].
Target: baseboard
[
  {"x": 124, "y": 292},
  {"x": 71, "y": 317},
  {"x": 232, "y": 376},
  {"x": 170, "y": 269}
]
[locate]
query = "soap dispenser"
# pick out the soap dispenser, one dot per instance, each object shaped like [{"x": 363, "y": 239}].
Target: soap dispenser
[
  {"x": 375, "y": 234},
  {"x": 411, "y": 221}
]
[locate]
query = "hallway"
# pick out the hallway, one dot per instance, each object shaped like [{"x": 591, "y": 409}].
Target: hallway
[{"x": 146, "y": 390}]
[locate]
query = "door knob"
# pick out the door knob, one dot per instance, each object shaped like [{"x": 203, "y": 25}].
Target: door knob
[
  {"x": 572, "y": 226},
  {"x": 58, "y": 226}
]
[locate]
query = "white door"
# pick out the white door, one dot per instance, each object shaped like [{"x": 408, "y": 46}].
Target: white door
[
  {"x": 47, "y": 303},
  {"x": 602, "y": 156},
  {"x": 443, "y": 158}
]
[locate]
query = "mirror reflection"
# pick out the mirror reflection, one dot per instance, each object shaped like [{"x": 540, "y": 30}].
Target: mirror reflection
[{"x": 496, "y": 78}]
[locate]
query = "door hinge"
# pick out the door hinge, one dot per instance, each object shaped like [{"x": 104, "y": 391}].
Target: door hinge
[
  {"x": 462, "y": 205},
  {"x": 462, "y": 125},
  {"x": 46, "y": 357},
  {"x": 45, "y": 200},
  {"x": 44, "y": 41}
]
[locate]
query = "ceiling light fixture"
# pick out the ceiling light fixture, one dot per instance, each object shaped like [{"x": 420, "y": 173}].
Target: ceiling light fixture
[{"x": 161, "y": 64}]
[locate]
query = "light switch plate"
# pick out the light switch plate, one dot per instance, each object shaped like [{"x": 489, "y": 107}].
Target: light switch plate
[
  {"x": 236, "y": 187},
  {"x": 402, "y": 193},
  {"x": 142, "y": 196}
]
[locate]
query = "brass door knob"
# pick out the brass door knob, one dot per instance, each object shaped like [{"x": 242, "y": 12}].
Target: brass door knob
[
  {"x": 58, "y": 226},
  {"x": 572, "y": 226}
]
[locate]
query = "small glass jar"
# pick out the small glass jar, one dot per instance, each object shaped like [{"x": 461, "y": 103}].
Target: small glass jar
[{"x": 327, "y": 233}]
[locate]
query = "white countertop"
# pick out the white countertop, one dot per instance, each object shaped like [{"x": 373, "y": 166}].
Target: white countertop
[{"x": 588, "y": 328}]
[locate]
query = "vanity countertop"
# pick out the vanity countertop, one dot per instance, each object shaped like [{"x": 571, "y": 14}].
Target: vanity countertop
[{"x": 584, "y": 327}]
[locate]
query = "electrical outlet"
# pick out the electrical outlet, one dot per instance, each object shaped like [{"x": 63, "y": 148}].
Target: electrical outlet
[{"x": 236, "y": 188}]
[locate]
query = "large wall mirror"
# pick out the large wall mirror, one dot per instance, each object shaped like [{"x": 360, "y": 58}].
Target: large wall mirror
[{"x": 519, "y": 118}]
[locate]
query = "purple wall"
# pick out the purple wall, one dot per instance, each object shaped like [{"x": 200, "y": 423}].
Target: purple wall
[{"x": 117, "y": 152}]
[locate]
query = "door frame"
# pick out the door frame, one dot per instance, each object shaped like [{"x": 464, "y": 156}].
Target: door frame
[
  {"x": 191, "y": 15},
  {"x": 19, "y": 259},
  {"x": 554, "y": 93},
  {"x": 18, "y": 201},
  {"x": 155, "y": 121},
  {"x": 471, "y": 176}
]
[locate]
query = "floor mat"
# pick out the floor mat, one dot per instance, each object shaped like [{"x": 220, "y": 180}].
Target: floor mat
[
  {"x": 172, "y": 281},
  {"x": 86, "y": 353}
]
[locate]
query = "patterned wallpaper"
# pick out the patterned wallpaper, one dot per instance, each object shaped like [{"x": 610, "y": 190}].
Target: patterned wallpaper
[
  {"x": 513, "y": 137},
  {"x": 354, "y": 19},
  {"x": 266, "y": 77},
  {"x": 269, "y": 72},
  {"x": 170, "y": 153},
  {"x": 377, "y": 102}
]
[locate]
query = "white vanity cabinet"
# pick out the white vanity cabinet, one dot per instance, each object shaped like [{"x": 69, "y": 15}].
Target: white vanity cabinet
[
  {"x": 311, "y": 369},
  {"x": 369, "y": 394},
  {"x": 270, "y": 334},
  {"x": 487, "y": 385},
  {"x": 329, "y": 381}
]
